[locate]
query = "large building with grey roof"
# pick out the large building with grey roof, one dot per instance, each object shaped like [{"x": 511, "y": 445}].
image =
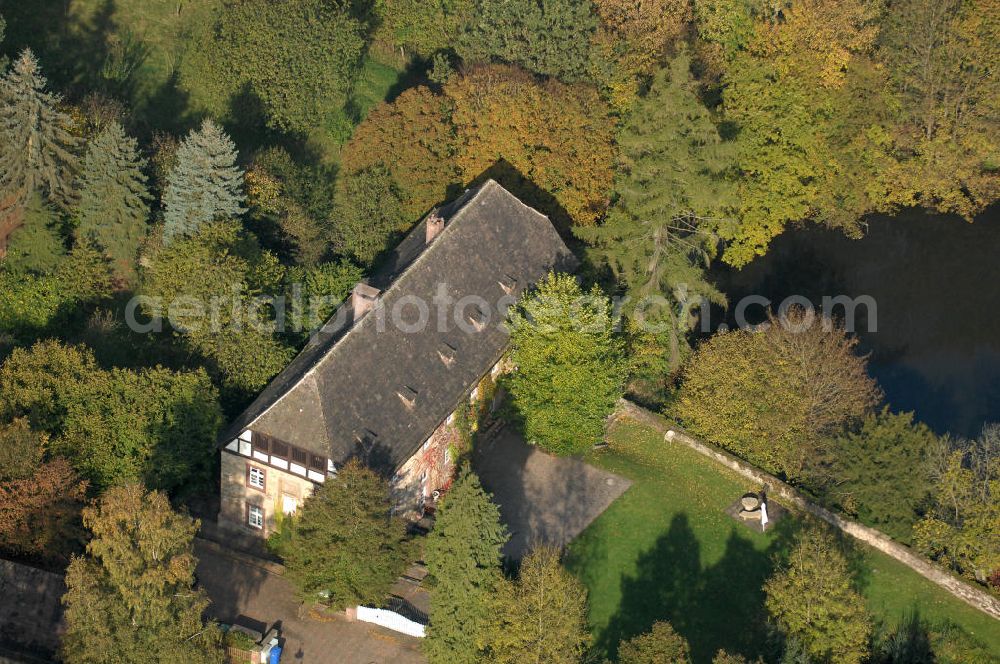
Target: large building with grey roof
[{"x": 382, "y": 380}]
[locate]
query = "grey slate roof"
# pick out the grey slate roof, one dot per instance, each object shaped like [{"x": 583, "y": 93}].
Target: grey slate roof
[{"x": 370, "y": 385}]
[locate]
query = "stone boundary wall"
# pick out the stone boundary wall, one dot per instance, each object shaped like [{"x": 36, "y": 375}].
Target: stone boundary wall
[{"x": 975, "y": 597}]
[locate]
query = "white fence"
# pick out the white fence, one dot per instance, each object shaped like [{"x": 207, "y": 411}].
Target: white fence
[{"x": 391, "y": 620}]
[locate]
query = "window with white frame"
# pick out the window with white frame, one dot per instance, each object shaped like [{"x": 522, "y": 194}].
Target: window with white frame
[
  {"x": 255, "y": 516},
  {"x": 256, "y": 478}
]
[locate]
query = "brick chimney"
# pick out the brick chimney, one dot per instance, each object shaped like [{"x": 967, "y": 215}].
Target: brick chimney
[
  {"x": 434, "y": 226},
  {"x": 363, "y": 298}
]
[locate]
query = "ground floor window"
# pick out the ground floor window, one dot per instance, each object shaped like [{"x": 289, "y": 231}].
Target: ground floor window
[{"x": 255, "y": 516}]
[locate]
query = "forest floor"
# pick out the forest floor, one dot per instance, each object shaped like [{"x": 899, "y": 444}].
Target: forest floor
[{"x": 666, "y": 550}]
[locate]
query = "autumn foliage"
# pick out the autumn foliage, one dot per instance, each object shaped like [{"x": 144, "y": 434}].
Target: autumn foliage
[
  {"x": 559, "y": 137},
  {"x": 40, "y": 514},
  {"x": 550, "y": 142},
  {"x": 773, "y": 396},
  {"x": 412, "y": 136}
]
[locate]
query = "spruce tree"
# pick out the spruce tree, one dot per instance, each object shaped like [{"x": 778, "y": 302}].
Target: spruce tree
[
  {"x": 36, "y": 147},
  {"x": 659, "y": 235},
  {"x": 37, "y": 246},
  {"x": 131, "y": 598},
  {"x": 463, "y": 554},
  {"x": 204, "y": 185},
  {"x": 113, "y": 208}
]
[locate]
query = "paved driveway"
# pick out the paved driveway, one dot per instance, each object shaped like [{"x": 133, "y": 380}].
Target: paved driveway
[
  {"x": 253, "y": 595},
  {"x": 542, "y": 498}
]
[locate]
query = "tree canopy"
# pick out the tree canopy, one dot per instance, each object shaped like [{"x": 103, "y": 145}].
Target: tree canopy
[
  {"x": 550, "y": 37},
  {"x": 659, "y": 644},
  {"x": 571, "y": 367},
  {"x": 670, "y": 196},
  {"x": 414, "y": 138},
  {"x": 295, "y": 61},
  {"x": 36, "y": 144},
  {"x": 814, "y": 601},
  {"x": 775, "y": 396},
  {"x": 113, "y": 207},
  {"x": 346, "y": 545},
  {"x": 133, "y": 593},
  {"x": 960, "y": 529},
  {"x": 463, "y": 555},
  {"x": 114, "y": 426},
  {"x": 205, "y": 183},
  {"x": 554, "y": 142},
  {"x": 541, "y": 616},
  {"x": 40, "y": 513},
  {"x": 370, "y": 214},
  {"x": 206, "y": 285},
  {"x": 881, "y": 472}
]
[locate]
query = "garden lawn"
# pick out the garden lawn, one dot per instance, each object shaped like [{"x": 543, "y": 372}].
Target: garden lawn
[
  {"x": 667, "y": 551},
  {"x": 91, "y": 44},
  {"x": 378, "y": 77}
]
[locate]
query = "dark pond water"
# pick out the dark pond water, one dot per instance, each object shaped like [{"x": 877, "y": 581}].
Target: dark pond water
[{"x": 935, "y": 344}]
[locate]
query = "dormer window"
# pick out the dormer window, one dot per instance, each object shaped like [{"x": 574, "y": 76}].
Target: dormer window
[
  {"x": 477, "y": 317},
  {"x": 447, "y": 353},
  {"x": 408, "y": 396},
  {"x": 365, "y": 438},
  {"x": 507, "y": 283}
]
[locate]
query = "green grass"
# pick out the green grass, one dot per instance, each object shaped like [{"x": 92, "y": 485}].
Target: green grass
[
  {"x": 666, "y": 550},
  {"x": 376, "y": 80},
  {"x": 83, "y": 44},
  {"x": 81, "y": 41}
]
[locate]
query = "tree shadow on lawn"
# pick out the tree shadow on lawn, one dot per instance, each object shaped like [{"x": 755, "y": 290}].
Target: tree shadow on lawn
[{"x": 716, "y": 607}]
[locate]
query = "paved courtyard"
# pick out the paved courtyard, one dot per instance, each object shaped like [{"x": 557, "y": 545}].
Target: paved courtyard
[
  {"x": 251, "y": 594},
  {"x": 543, "y": 498}
]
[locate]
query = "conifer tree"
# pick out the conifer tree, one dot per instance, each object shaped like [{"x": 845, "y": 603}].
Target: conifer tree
[
  {"x": 659, "y": 237},
  {"x": 571, "y": 364},
  {"x": 131, "y": 598},
  {"x": 204, "y": 185},
  {"x": 815, "y": 603},
  {"x": 37, "y": 246},
  {"x": 661, "y": 643},
  {"x": 113, "y": 208},
  {"x": 345, "y": 543},
  {"x": 36, "y": 147},
  {"x": 463, "y": 554},
  {"x": 541, "y": 617}
]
